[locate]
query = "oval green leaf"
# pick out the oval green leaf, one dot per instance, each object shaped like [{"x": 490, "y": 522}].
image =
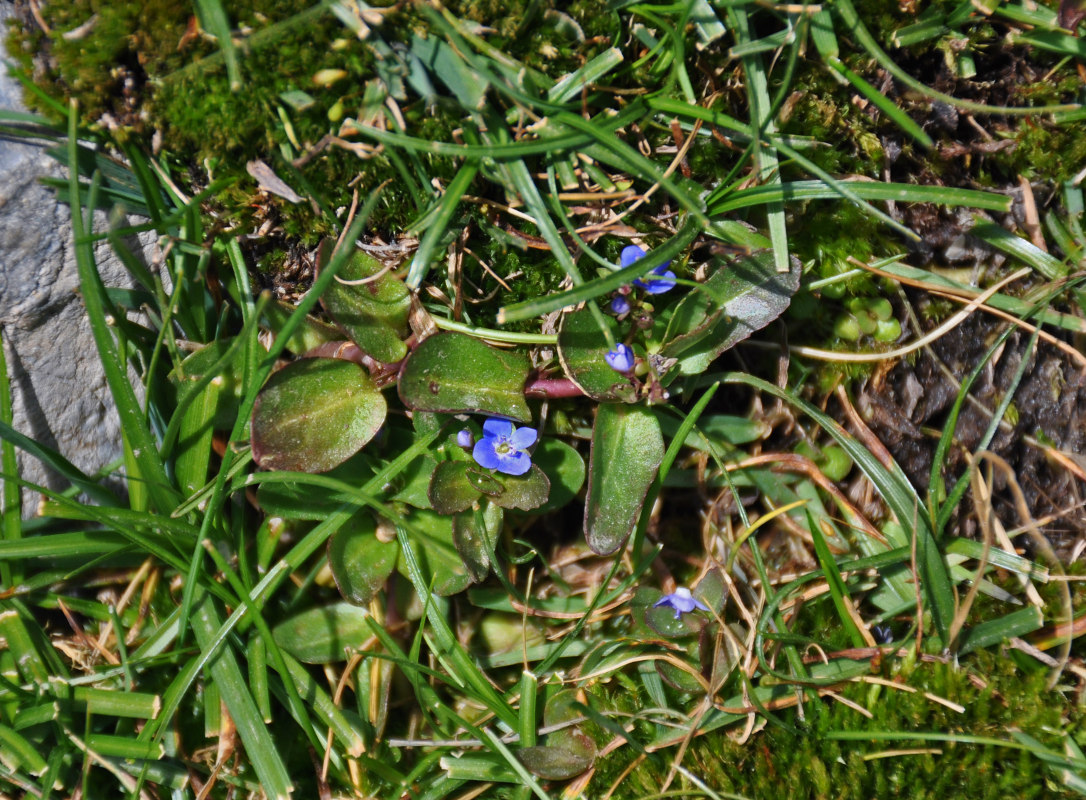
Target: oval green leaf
[
  {"x": 432, "y": 536},
  {"x": 314, "y": 414},
  {"x": 627, "y": 448},
  {"x": 473, "y": 542},
  {"x": 457, "y": 373},
  {"x": 374, "y": 313},
  {"x": 565, "y": 469},
  {"x": 581, "y": 351},
  {"x": 360, "y": 562},
  {"x": 559, "y": 762},
  {"x": 754, "y": 295},
  {"x": 450, "y": 491},
  {"x": 524, "y": 492},
  {"x": 322, "y": 635}
]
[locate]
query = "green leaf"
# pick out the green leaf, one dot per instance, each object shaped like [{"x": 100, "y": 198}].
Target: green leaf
[
  {"x": 227, "y": 382},
  {"x": 472, "y": 542},
  {"x": 360, "y": 562},
  {"x": 454, "y": 372},
  {"x": 627, "y": 448},
  {"x": 754, "y": 294},
  {"x": 374, "y": 314},
  {"x": 450, "y": 490},
  {"x": 572, "y": 753},
  {"x": 304, "y": 499},
  {"x": 432, "y": 539},
  {"x": 581, "y": 351},
  {"x": 565, "y": 469},
  {"x": 662, "y": 619},
  {"x": 314, "y": 414},
  {"x": 524, "y": 492},
  {"x": 322, "y": 635}
]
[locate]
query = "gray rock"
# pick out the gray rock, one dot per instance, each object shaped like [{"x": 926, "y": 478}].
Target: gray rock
[{"x": 60, "y": 395}]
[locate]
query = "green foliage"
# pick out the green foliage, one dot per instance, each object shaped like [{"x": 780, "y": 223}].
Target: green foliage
[
  {"x": 479, "y": 624},
  {"x": 810, "y": 763}
]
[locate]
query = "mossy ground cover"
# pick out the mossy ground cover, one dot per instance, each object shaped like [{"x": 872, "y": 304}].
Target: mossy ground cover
[{"x": 316, "y": 585}]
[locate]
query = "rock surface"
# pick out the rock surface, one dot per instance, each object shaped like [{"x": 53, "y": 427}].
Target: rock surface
[{"x": 59, "y": 391}]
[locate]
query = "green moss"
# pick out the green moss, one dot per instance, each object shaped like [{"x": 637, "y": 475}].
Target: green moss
[{"x": 996, "y": 696}]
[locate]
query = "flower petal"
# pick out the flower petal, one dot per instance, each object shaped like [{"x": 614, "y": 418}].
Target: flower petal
[
  {"x": 516, "y": 463},
  {"x": 494, "y": 428},
  {"x": 523, "y": 438},
  {"x": 630, "y": 254},
  {"x": 621, "y": 359},
  {"x": 658, "y": 281},
  {"x": 485, "y": 454}
]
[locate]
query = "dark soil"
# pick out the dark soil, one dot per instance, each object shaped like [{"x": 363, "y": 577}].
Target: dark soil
[{"x": 908, "y": 408}]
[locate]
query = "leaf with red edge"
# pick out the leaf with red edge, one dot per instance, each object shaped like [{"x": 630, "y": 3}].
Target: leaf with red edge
[{"x": 315, "y": 414}]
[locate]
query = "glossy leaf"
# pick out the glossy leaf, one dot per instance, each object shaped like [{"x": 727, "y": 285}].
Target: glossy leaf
[
  {"x": 581, "y": 351},
  {"x": 314, "y": 414},
  {"x": 441, "y": 566},
  {"x": 455, "y": 373},
  {"x": 568, "y": 751},
  {"x": 472, "y": 542},
  {"x": 450, "y": 490},
  {"x": 712, "y": 590},
  {"x": 662, "y": 620},
  {"x": 484, "y": 481},
  {"x": 524, "y": 492},
  {"x": 565, "y": 469},
  {"x": 572, "y": 753},
  {"x": 374, "y": 314},
  {"x": 627, "y": 448},
  {"x": 754, "y": 295},
  {"x": 360, "y": 562},
  {"x": 322, "y": 635},
  {"x": 678, "y": 678}
]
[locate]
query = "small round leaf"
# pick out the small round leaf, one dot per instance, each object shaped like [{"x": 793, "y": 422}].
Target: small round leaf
[
  {"x": 360, "y": 562},
  {"x": 314, "y": 414}
]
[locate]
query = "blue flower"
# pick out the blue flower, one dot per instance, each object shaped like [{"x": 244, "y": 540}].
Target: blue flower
[
  {"x": 621, "y": 359},
  {"x": 620, "y": 305},
  {"x": 465, "y": 439},
  {"x": 682, "y": 601},
  {"x": 502, "y": 447},
  {"x": 664, "y": 280}
]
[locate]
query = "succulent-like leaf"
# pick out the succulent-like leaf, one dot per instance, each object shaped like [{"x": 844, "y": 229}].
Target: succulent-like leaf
[
  {"x": 754, "y": 295},
  {"x": 472, "y": 542},
  {"x": 484, "y": 481},
  {"x": 567, "y": 754},
  {"x": 524, "y": 492},
  {"x": 441, "y": 565},
  {"x": 662, "y": 619},
  {"x": 627, "y": 448},
  {"x": 322, "y": 635},
  {"x": 678, "y": 678},
  {"x": 314, "y": 414},
  {"x": 374, "y": 313},
  {"x": 713, "y": 590},
  {"x": 360, "y": 562},
  {"x": 581, "y": 351},
  {"x": 450, "y": 491},
  {"x": 456, "y": 373},
  {"x": 568, "y": 751},
  {"x": 565, "y": 469}
]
